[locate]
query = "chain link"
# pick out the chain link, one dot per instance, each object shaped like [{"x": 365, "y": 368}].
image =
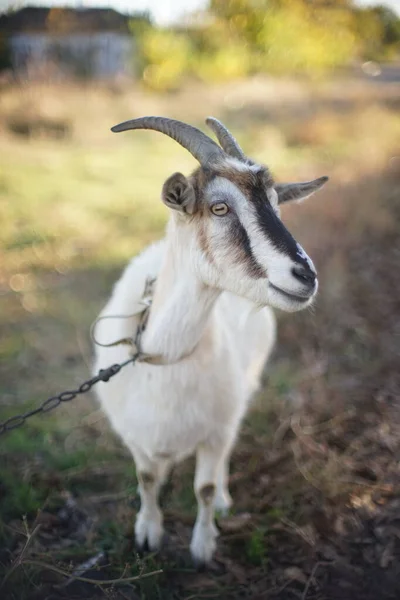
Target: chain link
[{"x": 55, "y": 401}]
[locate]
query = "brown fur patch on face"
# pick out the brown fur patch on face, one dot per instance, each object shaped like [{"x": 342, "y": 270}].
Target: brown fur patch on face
[
  {"x": 207, "y": 493},
  {"x": 246, "y": 180},
  {"x": 203, "y": 242},
  {"x": 200, "y": 179}
]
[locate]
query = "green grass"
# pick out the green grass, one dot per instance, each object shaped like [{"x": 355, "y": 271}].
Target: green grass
[
  {"x": 18, "y": 499},
  {"x": 36, "y": 470},
  {"x": 33, "y": 457},
  {"x": 257, "y": 548},
  {"x": 95, "y": 200},
  {"x": 64, "y": 213}
]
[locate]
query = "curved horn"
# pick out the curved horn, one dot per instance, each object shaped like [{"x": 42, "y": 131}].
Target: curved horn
[
  {"x": 203, "y": 148},
  {"x": 225, "y": 138}
]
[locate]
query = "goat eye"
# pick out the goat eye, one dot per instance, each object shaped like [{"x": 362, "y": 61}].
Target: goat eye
[{"x": 220, "y": 209}]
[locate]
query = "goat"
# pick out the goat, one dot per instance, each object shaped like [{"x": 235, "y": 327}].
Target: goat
[{"x": 225, "y": 261}]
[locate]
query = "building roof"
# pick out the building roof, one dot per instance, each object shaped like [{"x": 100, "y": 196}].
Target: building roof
[{"x": 63, "y": 21}]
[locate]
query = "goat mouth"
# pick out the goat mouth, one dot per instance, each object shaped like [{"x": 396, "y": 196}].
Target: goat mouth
[{"x": 295, "y": 297}]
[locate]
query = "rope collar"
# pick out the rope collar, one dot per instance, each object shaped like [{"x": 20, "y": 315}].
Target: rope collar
[{"x": 135, "y": 342}]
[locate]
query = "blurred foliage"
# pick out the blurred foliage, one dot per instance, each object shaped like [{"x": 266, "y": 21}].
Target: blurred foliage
[
  {"x": 5, "y": 55},
  {"x": 235, "y": 38},
  {"x": 166, "y": 56}
]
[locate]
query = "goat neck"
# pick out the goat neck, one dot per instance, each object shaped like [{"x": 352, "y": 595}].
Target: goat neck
[{"x": 180, "y": 318}]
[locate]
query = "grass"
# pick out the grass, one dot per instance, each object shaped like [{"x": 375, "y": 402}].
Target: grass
[
  {"x": 73, "y": 211},
  {"x": 257, "y": 548},
  {"x": 42, "y": 439}
]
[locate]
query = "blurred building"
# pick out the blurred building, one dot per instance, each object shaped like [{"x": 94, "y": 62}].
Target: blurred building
[{"x": 67, "y": 42}]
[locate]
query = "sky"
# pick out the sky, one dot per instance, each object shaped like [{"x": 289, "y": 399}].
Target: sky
[{"x": 163, "y": 11}]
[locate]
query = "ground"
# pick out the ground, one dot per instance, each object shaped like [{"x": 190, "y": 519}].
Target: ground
[{"x": 315, "y": 476}]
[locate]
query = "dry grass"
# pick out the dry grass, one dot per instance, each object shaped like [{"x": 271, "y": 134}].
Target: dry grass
[{"x": 316, "y": 464}]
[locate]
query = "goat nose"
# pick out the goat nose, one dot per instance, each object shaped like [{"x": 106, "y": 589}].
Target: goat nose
[{"x": 305, "y": 275}]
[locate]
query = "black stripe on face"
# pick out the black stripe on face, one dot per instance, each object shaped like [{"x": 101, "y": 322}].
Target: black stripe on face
[
  {"x": 271, "y": 225},
  {"x": 239, "y": 239}
]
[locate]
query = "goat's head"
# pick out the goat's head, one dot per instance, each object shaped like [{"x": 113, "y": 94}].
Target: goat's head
[{"x": 230, "y": 209}]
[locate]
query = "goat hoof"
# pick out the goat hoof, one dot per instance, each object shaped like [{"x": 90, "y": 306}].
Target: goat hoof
[
  {"x": 203, "y": 545},
  {"x": 148, "y": 533}
]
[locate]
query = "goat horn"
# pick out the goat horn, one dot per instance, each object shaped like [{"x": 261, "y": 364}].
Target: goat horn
[
  {"x": 225, "y": 138},
  {"x": 203, "y": 148}
]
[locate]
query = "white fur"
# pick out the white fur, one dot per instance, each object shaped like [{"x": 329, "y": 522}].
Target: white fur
[
  {"x": 211, "y": 310},
  {"x": 195, "y": 405},
  {"x": 239, "y": 165}
]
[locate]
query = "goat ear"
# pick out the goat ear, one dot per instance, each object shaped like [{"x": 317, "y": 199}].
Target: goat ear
[
  {"x": 298, "y": 191},
  {"x": 178, "y": 193}
]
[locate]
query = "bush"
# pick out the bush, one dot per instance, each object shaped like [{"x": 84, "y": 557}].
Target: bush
[
  {"x": 164, "y": 58},
  {"x": 223, "y": 64},
  {"x": 295, "y": 40},
  {"x": 273, "y": 36}
]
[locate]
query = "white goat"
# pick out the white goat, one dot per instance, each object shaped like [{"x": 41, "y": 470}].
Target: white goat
[{"x": 225, "y": 259}]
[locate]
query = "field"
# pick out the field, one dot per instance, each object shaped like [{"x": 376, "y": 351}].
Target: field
[{"x": 315, "y": 476}]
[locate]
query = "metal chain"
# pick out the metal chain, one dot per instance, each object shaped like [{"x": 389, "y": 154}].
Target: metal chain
[
  {"x": 104, "y": 374},
  {"x": 54, "y": 401}
]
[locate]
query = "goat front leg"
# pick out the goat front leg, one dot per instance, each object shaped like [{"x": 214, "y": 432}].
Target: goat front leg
[
  {"x": 209, "y": 460},
  {"x": 149, "y": 520}
]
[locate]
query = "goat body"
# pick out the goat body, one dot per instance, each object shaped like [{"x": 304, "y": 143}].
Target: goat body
[{"x": 165, "y": 413}]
